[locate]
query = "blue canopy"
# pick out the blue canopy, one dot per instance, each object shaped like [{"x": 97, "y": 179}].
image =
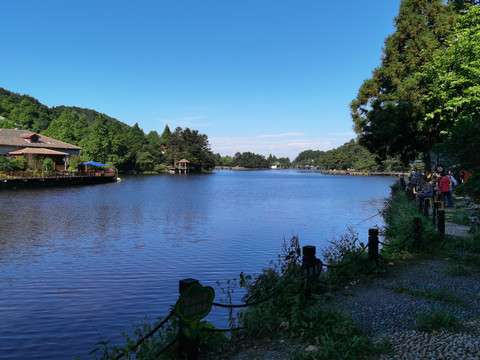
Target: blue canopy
[{"x": 93, "y": 163}]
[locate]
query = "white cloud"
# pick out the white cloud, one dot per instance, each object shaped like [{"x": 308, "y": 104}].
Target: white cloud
[
  {"x": 265, "y": 146},
  {"x": 345, "y": 134},
  {"x": 280, "y": 135},
  {"x": 191, "y": 122}
]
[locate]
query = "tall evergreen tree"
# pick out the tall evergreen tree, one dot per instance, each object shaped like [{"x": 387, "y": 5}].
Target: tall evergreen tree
[
  {"x": 453, "y": 97},
  {"x": 388, "y": 112},
  {"x": 68, "y": 127}
]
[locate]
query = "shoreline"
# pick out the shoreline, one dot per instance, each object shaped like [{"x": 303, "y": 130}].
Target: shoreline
[
  {"x": 37, "y": 182},
  {"x": 323, "y": 171}
]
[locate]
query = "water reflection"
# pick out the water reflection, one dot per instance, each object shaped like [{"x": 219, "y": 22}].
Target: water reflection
[{"x": 79, "y": 264}]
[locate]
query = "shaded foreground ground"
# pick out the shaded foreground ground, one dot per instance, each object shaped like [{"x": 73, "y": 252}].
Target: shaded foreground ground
[{"x": 388, "y": 306}]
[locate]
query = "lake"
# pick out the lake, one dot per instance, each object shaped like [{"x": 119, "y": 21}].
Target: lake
[{"x": 79, "y": 264}]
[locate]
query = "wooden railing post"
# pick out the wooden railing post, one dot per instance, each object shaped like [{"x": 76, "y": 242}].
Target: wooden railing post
[
  {"x": 441, "y": 222},
  {"x": 417, "y": 225},
  {"x": 421, "y": 201},
  {"x": 426, "y": 206},
  {"x": 310, "y": 264},
  {"x": 373, "y": 244}
]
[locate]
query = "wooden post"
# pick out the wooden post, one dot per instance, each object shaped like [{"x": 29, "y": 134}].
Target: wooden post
[
  {"x": 421, "y": 201},
  {"x": 426, "y": 206},
  {"x": 435, "y": 213},
  {"x": 373, "y": 244},
  {"x": 441, "y": 222},
  {"x": 417, "y": 224},
  {"x": 187, "y": 349},
  {"x": 311, "y": 265}
]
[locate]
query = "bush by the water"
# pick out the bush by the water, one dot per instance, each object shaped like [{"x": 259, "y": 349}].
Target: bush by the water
[{"x": 400, "y": 232}]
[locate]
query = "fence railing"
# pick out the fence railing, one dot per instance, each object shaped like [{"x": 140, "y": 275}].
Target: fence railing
[
  {"x": 53, "y": 174},
  {"x": 430, "y": 207}
]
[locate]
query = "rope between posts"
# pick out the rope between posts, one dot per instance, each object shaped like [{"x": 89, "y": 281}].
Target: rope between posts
[
  {"x": 371, "y": 217},
  {"x": 150, "y": 333},
  {"x": 393, "y": 245},
  {"x": 222, "y": 330},
  {"x": 347, "y": 263},
  {"x": 168, "y": 346},
  {"x": 250, "y": 304}
]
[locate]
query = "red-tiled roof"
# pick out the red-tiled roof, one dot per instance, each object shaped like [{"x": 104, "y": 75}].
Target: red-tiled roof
[
  {"x": 38, "y": 151},
  {"x": 20, "y": 138},
  {"x": 184, "y": 161}
]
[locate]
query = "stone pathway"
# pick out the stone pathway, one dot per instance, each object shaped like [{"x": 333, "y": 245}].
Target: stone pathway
[{"x": 457, "y": 230}]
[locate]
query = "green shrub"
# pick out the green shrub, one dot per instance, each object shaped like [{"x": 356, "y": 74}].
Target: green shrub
[
  {"x": 471, "y": 187},
  {"x": 436, "y": 320},
  {"x": 400, "y": 232},
  {"x": 21, "y": 163},
  {"x": 347, "y": 258},
  {"x": 75, "y": 163},
  {"x": 48, "y": 165},
  {"x": 7, "y": 164}
]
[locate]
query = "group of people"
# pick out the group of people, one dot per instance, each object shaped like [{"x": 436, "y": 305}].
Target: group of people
[{"x": 439, "y": 183}]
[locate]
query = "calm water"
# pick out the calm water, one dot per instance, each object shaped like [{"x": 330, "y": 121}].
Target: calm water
[{"x": 78, "y": 265}]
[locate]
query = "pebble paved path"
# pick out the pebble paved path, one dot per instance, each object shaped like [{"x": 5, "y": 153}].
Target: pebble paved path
[
  {"x": 382, "y": 312},
  {"x": 386, "y": 313}
]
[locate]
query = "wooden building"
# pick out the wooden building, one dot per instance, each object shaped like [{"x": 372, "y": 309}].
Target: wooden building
[
  {"x": 183, "y": 166},
  {"x": 35, "y": 148}
]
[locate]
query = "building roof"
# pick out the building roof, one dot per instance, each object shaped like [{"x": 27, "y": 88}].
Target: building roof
[
  {"x": 21, "y": 138},
  {"x": 37, "y": 151},
  {"x": 184, "y": 161}
]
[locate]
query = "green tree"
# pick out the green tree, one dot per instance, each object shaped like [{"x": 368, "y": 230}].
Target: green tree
[
  {"x": 165, "y": 137},
  {"x": 310, "y": 157},
  {"x": 6, "y": 124},
  {"x": 68, "y": 127},
  {"x": 191, "y": 145},
  {"x": 30, "y": 114},
  {"x": 284, "y": 162},
  {"x": 453, "y": 97},
  {"x": 387, "y": 111},
  {"x": 250, "y": 160},
  {"x": 97, "y": 143}
]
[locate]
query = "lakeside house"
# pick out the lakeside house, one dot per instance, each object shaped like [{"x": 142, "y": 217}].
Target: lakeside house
[{"x": 35, "y": 148}]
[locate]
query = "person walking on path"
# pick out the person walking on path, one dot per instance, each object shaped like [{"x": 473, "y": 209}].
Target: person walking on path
[
  {"x": 444, "y": 187},
  {"x": 453, "y": 181}
]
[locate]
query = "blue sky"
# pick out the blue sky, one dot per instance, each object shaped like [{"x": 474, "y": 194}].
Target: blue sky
[{"x": 267, "y": 76}]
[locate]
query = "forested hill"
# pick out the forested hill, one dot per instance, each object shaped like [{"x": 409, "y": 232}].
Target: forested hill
[
  {"x": 105, "y": 139},
  {"x": 350, "y": 155}
]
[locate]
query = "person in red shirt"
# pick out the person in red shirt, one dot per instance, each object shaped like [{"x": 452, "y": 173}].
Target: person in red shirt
[{"x": 444, "y": 187}]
